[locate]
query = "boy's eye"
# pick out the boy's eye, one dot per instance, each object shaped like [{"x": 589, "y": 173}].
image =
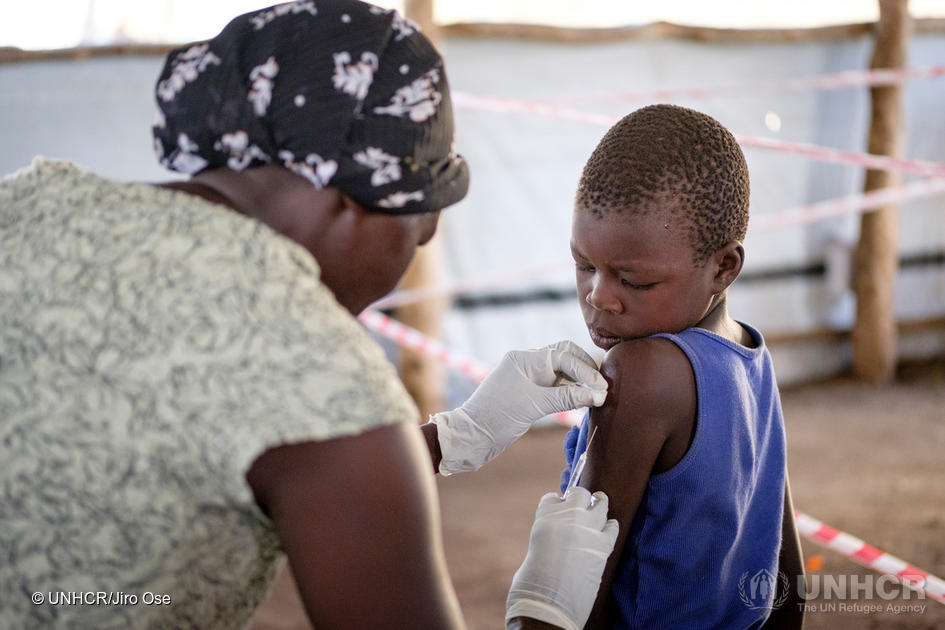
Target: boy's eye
[
  {"x": 638, "y": 287},
  {"x": 583, "y": 267}
]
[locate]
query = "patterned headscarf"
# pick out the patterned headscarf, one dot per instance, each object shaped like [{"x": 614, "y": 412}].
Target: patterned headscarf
[{"x": 341, "y": 92}]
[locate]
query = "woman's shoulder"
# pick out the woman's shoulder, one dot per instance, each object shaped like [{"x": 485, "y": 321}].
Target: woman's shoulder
[{"x": 40, "y": 174}]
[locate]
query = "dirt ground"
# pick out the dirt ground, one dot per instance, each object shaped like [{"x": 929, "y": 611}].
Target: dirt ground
[{"x": 866, "y": 460}]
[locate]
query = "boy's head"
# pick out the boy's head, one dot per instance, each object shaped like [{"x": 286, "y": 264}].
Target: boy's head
[
  {"x": 660, "y": 213},
  {"x": 671, "y": 157}
]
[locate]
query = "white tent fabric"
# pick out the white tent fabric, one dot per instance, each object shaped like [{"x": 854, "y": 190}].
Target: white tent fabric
[
  {"x": 525, "y": 168},
  {"x": 102, "y": 22}
]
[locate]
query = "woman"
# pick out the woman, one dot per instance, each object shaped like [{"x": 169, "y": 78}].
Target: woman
[{"x": 184, "y": 391}]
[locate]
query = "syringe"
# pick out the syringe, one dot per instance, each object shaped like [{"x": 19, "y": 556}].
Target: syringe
[{"x": 579, "y": 467}]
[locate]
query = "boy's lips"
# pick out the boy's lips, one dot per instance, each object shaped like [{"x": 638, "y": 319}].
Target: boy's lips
[{"x": 603, "y": 338}]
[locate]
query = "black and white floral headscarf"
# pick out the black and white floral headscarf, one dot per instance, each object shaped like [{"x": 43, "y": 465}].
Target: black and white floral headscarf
[{"x": 341, "y": 92}]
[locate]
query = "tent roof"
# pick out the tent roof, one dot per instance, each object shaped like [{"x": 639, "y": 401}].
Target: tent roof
[{"x": 103, "y": 22}]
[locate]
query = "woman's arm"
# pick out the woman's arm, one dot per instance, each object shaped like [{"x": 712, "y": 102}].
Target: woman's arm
[
  {"x": 651, "y": 399},
  {"x": 359, "y": 521},
  {"x": 790, "y": 615},
  {"x": 428, "y": 431}
]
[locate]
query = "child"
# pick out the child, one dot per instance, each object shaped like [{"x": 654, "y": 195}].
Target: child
[{"x": 690, "y": 443}]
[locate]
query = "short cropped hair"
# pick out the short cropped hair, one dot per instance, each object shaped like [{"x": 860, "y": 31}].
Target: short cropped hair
[{"x": 666, "y": 154}]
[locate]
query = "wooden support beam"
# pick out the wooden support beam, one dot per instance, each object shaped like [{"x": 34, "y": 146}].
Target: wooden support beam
[
  {"x": 877, "y": 255},
  {"x": 424, "y": 378},
  {"x": 421, "y": 12}
]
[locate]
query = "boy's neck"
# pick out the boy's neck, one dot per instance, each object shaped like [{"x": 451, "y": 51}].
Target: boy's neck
[{"x": 717, "y": 321}]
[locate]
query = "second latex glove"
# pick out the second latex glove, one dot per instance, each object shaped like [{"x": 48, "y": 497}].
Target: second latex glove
[
  {"x": 570, "y": 543},
  {"x": 519, "y": 391}
]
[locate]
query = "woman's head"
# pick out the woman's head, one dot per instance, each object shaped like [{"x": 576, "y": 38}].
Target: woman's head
[
  {"x": 331, "y": 122},
  {"x": 341, "y": 92}
]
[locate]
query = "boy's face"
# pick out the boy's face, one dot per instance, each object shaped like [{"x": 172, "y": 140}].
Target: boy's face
[{"x": 636, "y": 276}]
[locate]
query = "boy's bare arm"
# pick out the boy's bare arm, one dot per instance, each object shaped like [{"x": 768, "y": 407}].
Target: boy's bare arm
[
  {"x": 790, "y": 615},
  {"x": 651, "y": 394},
  {"x": 358, "y": 519}
]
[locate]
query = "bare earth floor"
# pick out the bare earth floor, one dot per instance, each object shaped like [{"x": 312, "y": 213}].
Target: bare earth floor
[{"x": 866, "y": 460}]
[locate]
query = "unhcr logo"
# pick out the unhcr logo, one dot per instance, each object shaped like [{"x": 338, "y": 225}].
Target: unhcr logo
[
  {"x": 865, "y": 587},
  {"x": 758, "y": 591}
]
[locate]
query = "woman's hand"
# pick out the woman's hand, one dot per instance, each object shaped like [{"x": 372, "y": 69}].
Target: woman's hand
[
  {"x": 522, "y": 389},
  {"x": 557, "y": 584}
]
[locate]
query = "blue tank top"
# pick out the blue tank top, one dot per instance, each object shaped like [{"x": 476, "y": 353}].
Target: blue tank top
[{"x": 702, "y": 551}]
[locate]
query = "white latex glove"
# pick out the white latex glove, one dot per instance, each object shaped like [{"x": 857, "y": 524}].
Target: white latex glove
[
  {"x": 518, "y": 392},
  {"x": 570, "y": 542}
]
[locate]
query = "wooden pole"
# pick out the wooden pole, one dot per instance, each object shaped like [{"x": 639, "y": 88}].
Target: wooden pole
[
  {"x": 424, "y": 378},
  {"x": 877, "y": 253},
  {"x": 421, "y": 12}
]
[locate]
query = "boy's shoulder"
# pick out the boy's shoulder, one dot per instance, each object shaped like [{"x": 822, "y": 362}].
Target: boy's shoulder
[
  {"x": 647, "y": 421},
  {"x": 653, "y": 363},
  {"x": 650, "y": 378}
]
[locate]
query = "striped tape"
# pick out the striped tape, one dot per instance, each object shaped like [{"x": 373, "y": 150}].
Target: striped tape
[
  {"x": 413, "y": 339},
  {"x": 851, "y": 204},
  {"x": 831, "y": 81},
  {"x": 838, "y": 156},
  {"x": 823, "y": 154},
  {"x": 860, "y": 552},
  {"x": 422, "y": 344}
]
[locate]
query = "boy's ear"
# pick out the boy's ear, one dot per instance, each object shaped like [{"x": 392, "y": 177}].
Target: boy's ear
[{"x": 728, "y": 261}]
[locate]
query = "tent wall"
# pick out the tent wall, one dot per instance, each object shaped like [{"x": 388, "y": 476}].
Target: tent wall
[{"x": 525, "y": 168}]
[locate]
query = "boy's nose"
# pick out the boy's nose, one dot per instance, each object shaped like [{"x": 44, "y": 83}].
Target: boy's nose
[{"x": 601, "y": 299}]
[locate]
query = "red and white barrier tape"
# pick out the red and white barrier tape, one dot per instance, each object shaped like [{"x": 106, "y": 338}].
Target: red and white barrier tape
[
  {"x": 413, "y": 339},
  {"x": 823, "y": 154},
  {"x": 839, "y": 156},
  {"x": 852, "y": 204},
  {"x": 871, "y": 557},
  {"x": 831, "y": 81}
]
